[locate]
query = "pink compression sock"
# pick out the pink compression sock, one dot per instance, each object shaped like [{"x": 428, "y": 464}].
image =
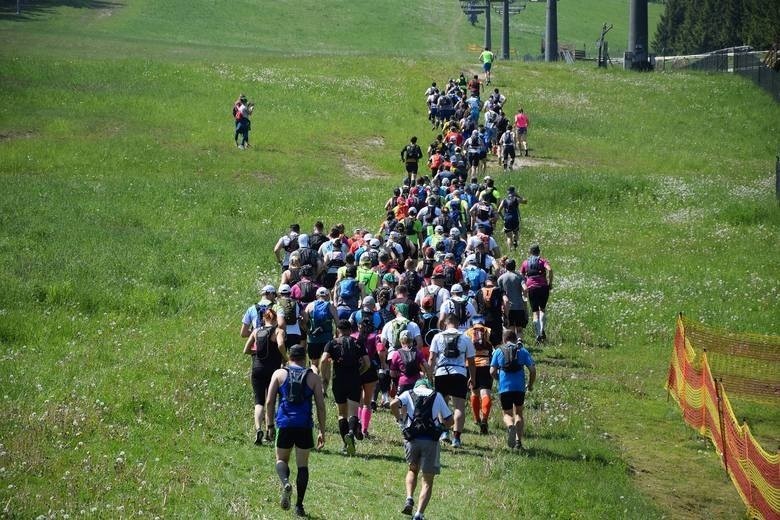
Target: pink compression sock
[{"x": 366, "y": 418}]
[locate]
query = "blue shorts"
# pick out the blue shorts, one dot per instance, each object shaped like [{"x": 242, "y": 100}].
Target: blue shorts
[{"x": 486, "y": 66}]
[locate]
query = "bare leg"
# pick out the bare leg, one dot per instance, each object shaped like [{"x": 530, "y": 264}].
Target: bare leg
[
  {"x": 411, "y": 479},
  {"x": 425, "y": 491}
]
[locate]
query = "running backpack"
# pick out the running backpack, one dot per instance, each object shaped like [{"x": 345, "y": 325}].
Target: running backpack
[
  {"x": 459, "y": 310},
  {"x": 449, "y": 273},
  {"x": 287, "y": 306},
  {"x": 263, "y": 342},
  {"x": 428, "y": 265},
  {"x": 308, "y": 291},
  {"x": 489, "y": 300},
  {"x": 507, "y": 139},
  {"x": 483, "y": 211},
  {"x": 348, "y": 353},
  {"x": 413, "y": 151},
  {"x": 398, "y": 325},
  {"x": 412, "y": 282},
  {"x": 292, "y": 245},
  {"x": 307, "y": 256},
  {"x": 430, "y": 322},
  {"x": 455, "y": 213},
  {"x": 316, "y": 240},
  {"x": 349, "y": 292},
  {"x": 297, "y": 385},
  {"x": 320, "y": 315},
  {"x": 534, "y": 267},
  {"x": 451, "y": 349},
  {"x": 473, "y": 278},
  {"x": 410, "y": 367},
  {"x": 409, "y": 226},
  {"x": 511, "y": 363},
  {"x": 336, "y": 260},
  {"x": 422, "y": 423}
]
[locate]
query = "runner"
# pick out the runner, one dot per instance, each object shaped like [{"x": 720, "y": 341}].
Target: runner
[
  {"x": 348, "y": 358},
  {"x": 482, "y": 386},
  {"x": 507, "y": 142},
  {"x": 367, "y": 337},
  {"x": 318, "y": 319},
  {"x": 422, "y": 413},
  {"x": 288, "y": 317},
  {"x": 407, "y": 363},
  {"x": 254, "y": 314},
  {"x": 490, "y": 305},
  {"x": 267, "y": 357},
  {"x": 452, "y": 353},
  {"x": 538, "y": 283},
  {"x": 286, "y": 245},
  {"x": 487, "y": 58},
  {"x": 509, "y": 209},
  {"x": 508, "y": 367},
  {"x": 521, "y": 130},
  {"x": 511, "y": 283},
  {"x": 410, "y": 155},
  {"x": 457, "y": 305},
  {"x": 295, "y": 386}
]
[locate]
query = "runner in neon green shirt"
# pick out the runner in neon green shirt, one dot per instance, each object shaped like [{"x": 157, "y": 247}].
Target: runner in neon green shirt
[{"x": 487, "y": 58}]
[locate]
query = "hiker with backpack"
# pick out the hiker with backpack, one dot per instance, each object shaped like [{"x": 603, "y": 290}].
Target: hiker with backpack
[
  {"x": 347, "y": 293},
  {"x": 410, "y": 155},
  {"x": 253, "y": 316},
  {"x": 538, "y": 284},
  {"x": 288, "y": 318},
  {"x": 509, "y": 209},
  {"x": 305, "y": 290},
  {"x": 449, "y": 270},
  {"x": 295, "y": 385},
  {"x": 482, "y": 386},
  {"x": 349, "y": 358},
  {"x": 507, "y": 142},
  {"x": 422, "y": 413},
  {"x": 317, "y": 319},
  {"x": 435, "y": 290},
  {"x": 406, "y": 363},
  {"x": 286, "y": 245},
  {"x": 452, "y": 353},
  {"x": 474, "y": 277},
  {"x": 367, "y": 278},
  {"x": 292, "y": 274},
  {"x": 457, "y": 305},
  {"x": 366, "y": 336},
  {"x": 490, "y": 305},
  {"x": 511, "y": 283},
  {"x": 332, "y": 261},
  {"x": 242, "y": 109},
  {"x": 508, "y": 366},
  {"x": 267, "y": 357}
]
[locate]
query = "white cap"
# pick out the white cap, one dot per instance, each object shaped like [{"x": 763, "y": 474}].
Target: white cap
[
  {"x": 284, "y": 289},
  {"x": 374, "y": 242},
  {"x": 438, "y": 229},
  {"x": 322, "y": 291},
  {"x": 457, "y": 289}
]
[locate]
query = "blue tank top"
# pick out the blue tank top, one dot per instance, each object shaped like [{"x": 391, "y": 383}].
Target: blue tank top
[{"x": 292, "y": 415}]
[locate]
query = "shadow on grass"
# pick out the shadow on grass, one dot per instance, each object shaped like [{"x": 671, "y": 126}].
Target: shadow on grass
[{"x": 32, "y": 10}]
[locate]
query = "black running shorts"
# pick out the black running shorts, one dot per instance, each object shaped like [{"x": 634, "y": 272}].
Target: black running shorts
[
  {"x": 509, "y": 399},
  {"x": 483, "y": 379},
  {"x": 349, "y": 389},
  {"x": 455, "y": 385},
  {"x": 261, "y": 379},
  {"x": 537, "y": 297},
  {"x": 517, "y": 318},
  {"x": 301, "y": 438}
]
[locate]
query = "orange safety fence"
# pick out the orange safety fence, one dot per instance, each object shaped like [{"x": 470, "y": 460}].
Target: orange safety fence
[{"x": 706, "y": 407}]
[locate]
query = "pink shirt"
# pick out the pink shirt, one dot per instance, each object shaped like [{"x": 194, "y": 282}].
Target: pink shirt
[
  {"x": 539, "y": 280},
  {"x": 394, "y": 360},
  {"x": 521, "y": 121}
]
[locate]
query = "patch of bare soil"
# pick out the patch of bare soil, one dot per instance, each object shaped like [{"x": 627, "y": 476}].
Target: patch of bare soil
[
  {"x": 6, "y": 136},
  {"x": 360, "y": 170},
  {"x": 375, "y": 142},
  {"x": 530, "y": 162}
]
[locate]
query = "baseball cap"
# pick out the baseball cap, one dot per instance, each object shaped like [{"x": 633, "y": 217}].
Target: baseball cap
[
  {"x": 439, "y": 229},
  {"x": 269, "y": 289},
  {"x": 413, "y": 211},
  {"x": 284, "y": 289},
  {"x": 457, "y": 289},
  {"x": 454, "y": 232},
  {"x": 322, "y": 291},
  {"x": 365, "y": 259},
  {"x": 374, "y": 243},
  {"x": 369, "y": 301}
]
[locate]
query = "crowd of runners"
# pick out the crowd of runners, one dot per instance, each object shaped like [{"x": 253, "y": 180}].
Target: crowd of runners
[{"x": 419, "y": 315}]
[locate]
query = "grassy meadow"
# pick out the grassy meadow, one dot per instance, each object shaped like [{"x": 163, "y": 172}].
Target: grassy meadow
[{"x": 133, "y": 236}]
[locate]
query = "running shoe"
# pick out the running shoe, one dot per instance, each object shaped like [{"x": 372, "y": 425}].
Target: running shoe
[
  {"x": 367, "y": 435},
  {"x": 418, "y": 516},
  {"x": 359, "y": 433},
  {"x": 349, "y": 443},
  {"x": 373, "y": 406},
  {"x": 259, "y": 437},
  {"x": 299, "y": 511},
  {"x": 444, "y": 437},
  {"x": 408, "y": 506},
  {"x": 511, "y": 437},
  {"x": 544, "y": 336},
  {"x": 483, "y": 428},
  {"x": 456, "y": 443},
  {"x": 286, "y": 494}
]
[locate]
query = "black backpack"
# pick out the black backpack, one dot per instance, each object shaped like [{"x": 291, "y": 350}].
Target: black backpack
[
  {"x": 308, "y": 291},
  {"x": 316, "y": 240},
  {"x": 307, "y": 256},
  {"x": 409, "y": 365},
  {"x": 263, "y": 342},
  {"x": 297, "y": 382},
  {"x": 459, "y": 310},
  {"x": 449, "y": 273},
  {"x": 511, "y": 363},
  {"x": 413, "y": 151},
  {"x": 348, "y": 353},
  {"x": 451, "y": 349},
  {"x": 428, "y": 265},
  {"x": 423, "y": 423},
  {"x": 292, "y": 245},
  {"x": 413, "y": 283}
]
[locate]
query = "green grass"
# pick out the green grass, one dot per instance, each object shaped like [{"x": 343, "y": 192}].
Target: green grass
[{"x": 132, "y": 236}]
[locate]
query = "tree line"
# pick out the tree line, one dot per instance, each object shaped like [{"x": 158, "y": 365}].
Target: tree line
[{"x": 698, "y": 26}]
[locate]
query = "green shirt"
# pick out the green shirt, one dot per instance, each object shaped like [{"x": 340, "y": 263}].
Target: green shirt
[{"x": 486, "y": 57}]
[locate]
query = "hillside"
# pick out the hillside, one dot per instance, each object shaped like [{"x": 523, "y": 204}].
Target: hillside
[{"x": 133, "y": 234}]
